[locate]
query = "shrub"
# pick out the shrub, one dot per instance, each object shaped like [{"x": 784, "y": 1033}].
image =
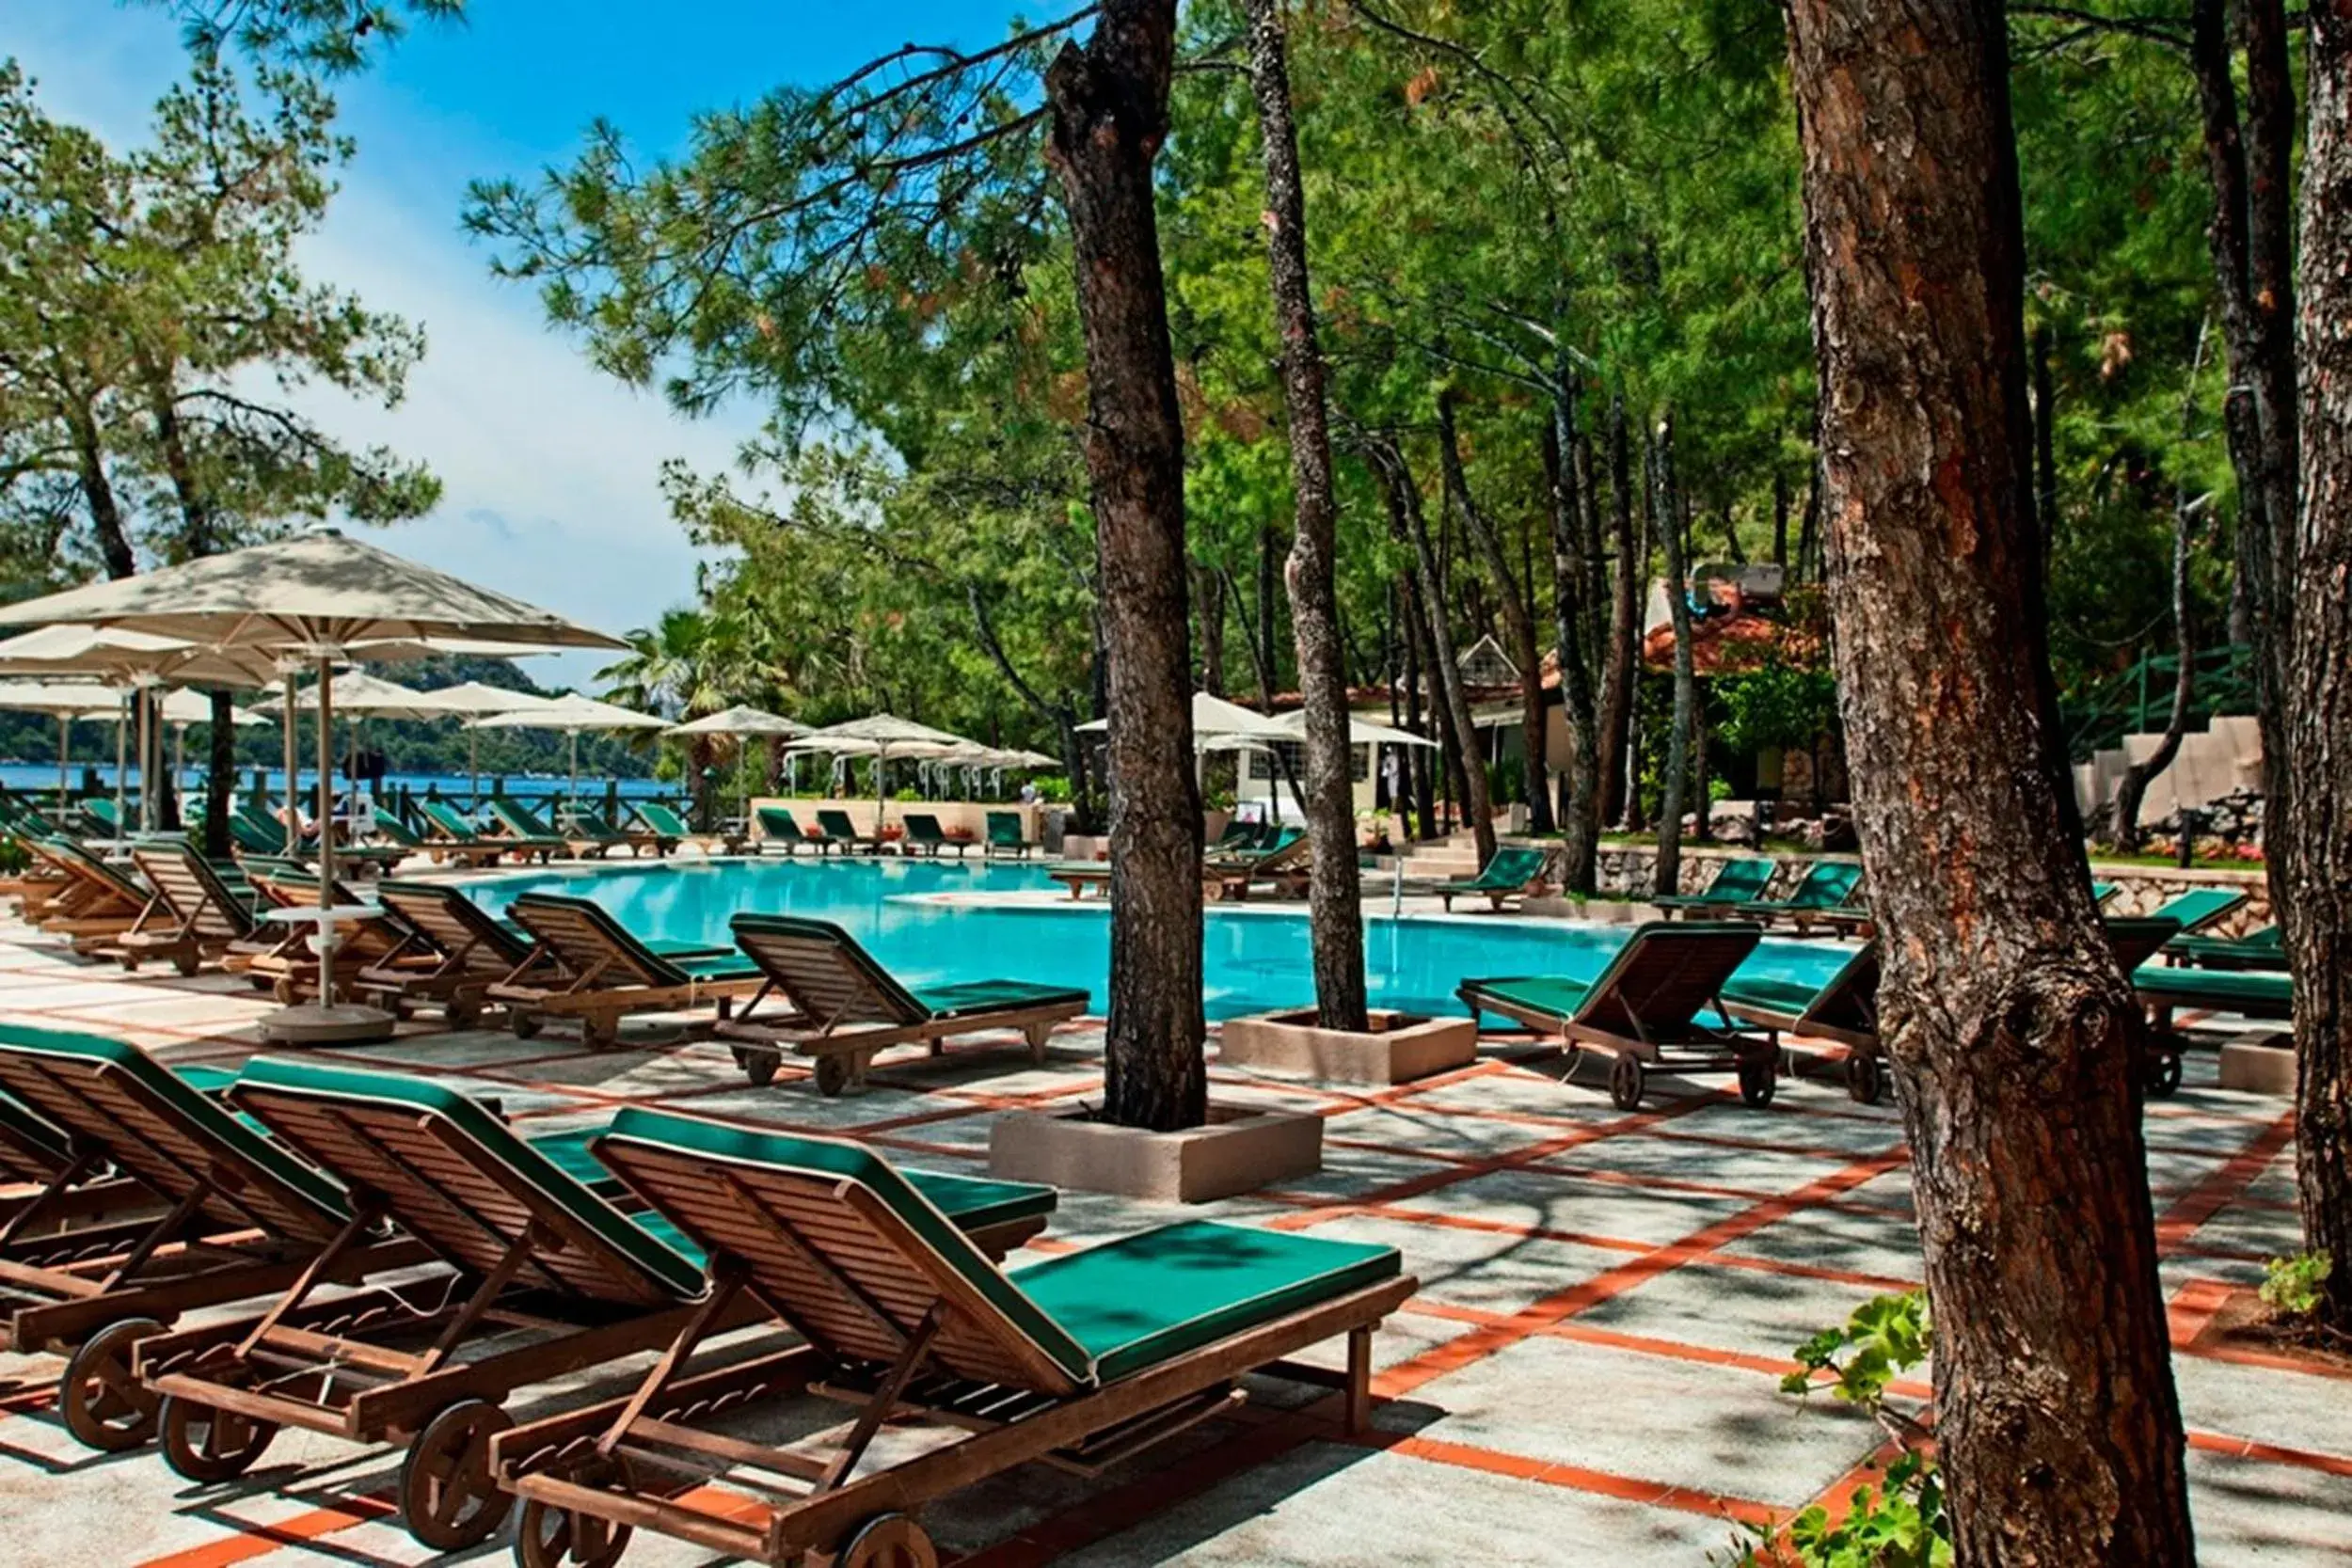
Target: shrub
[{"x": 2292, "y": 1286}]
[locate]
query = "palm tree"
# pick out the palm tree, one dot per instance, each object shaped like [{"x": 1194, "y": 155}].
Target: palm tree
[{"x": 692, "y": 661}]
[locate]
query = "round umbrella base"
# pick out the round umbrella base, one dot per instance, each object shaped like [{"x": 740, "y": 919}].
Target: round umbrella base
[{"x": 345, "y": 1024}]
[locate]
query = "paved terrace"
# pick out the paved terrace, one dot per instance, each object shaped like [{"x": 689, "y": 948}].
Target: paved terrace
[{"x": 1588, "y": 1374}]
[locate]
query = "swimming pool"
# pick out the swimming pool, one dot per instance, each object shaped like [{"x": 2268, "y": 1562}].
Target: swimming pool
[{"x": 1256, "y": 957}]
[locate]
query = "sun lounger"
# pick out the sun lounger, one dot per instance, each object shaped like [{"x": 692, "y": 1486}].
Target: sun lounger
[
  {"x": 398, "y": 836},
  {"x": 776, "y": 826},
  {"x": 838, "y": 828},
  {"x": 1511, "y": 873},
  {"x": 584, "y": 964},
  {"x": 590, "y": 825},
  {"x": 1283, "y": 870},
  {"x": 90, "y": 901},
  {"x": 2200, "y": 908},
  {"x": 1845, "y": 1010},
  {"x": 1004, "y": 837},
  {"x": 103, "y": 820},
  {"x": 545, "y": 1277},
  {"x": 1080, "y": 877},
  {"x": 840, "y": 1007},
  {"x": 1083, "y": 1361},
  {"x": 665, "y": 823},
  {"x": 291, "y": 968},
  {"x": 193, "y": 917},
  {"x": 2262, "y": 949},
  {"x": 925, "y": 837},
  {"x": 448, "y": 831},
  {"x": 1825, "y": 895},
  {"x": 1736, "y": 883},
  {"x": 513, "y": 820},
  {"x": 233, "y": 1216},
  {"x": 2166, "y": 991},
  {"x": 1643, "y": 1010}
]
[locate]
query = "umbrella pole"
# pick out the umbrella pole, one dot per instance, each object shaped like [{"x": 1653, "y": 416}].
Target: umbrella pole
[
  {"x": 292, "y": 809},
  {"x": 473, "y": 765},
  {"x": 178, "y": 758},
  {"x": 326, "y": 831},
  {"x": 147, "y": 772},
  {"x": 122, "y": 753},
  {"x": 65, "y": 759},
  {"x": 575, "y": 775}
]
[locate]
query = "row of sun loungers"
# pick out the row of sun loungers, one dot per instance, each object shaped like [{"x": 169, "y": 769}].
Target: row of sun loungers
[
  {"x": 408, "y": 1263},
  {"x": 921, "y": 834}
]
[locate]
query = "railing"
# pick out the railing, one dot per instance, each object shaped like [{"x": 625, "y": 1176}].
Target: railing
[{"x": 2139, "y": 699}]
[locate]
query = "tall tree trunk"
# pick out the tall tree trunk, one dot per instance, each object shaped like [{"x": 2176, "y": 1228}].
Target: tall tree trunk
[
  {"x": 1417, "y": 758},
  {"x": 1672, "y": 524},
  {"x": 1109, "y": 115},
  {"x": 1517, "y": 613},
  {"x": 2044, "y": 444},
  {"x": 2132, "y": 787},
  {"x": 1780, "y": 518},
  {"x": 1579, "y": 817},
  {"x": 2319, "y": 835},
  {"x": 1623, "y": 661},
  {"x": 1405, "y": 517},
  {"x": 1268, "y": 626},
  {"x": 1209, "y": 597},
  {"x": 97, "y": 496},
  {"x": 2016, "y": 1042},
  {"x": 1334, "y": 904}
]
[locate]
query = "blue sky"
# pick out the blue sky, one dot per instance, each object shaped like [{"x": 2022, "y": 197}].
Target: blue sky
[{"x": 549, "y": 469}]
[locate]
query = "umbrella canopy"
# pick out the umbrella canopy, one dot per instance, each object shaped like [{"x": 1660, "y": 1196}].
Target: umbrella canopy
[
  {"x": 883, "y": 735},
  {"x": 473, "y": 697},
  {"x": 738, "y": 721},
  {"x": 317, "y": 591},
  {"x": 571, "y": 714},
  {"x": 183, "y": 706},
  {"x": 1212, "y": 716},
  {"x": 358, "y": 692},
  {"x": 1361, "y": 731},
  {"x": 122, "y": 657},
  {"x": 69, "y": 699}
]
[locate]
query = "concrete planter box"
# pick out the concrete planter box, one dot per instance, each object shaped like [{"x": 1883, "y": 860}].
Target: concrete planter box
[
  {"x": 1398, "y": 1047},
  {"x": 1085, "y": 847},
  {"x": 1238, "y": 1151},
  {"x": 2259, "y": 1069},
  {"x": 1598, "y": 912}
]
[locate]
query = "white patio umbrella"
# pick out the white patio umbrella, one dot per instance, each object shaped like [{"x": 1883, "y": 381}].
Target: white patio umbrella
[
  {"x": 881, "y": 737},
  {"x": 570, "y": 714},
  {"x": 1361, "y": 731},
  {"x": 741, "y": 723},
  {"x": 183, "y": 706},
  {"x": 1209, "y": 716},
  {"x": 473, "y": 700},
  {"x": 129, "y": 661},
  {"x": 68, "y": 701},
  {"x": 311, "y": 598}
]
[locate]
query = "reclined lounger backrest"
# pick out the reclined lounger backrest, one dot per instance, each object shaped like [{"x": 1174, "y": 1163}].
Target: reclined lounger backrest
[
  {"x": 456, "y": 1178},
  {"x": 455, "y": 924},
  {"x": 843, "y": 1245},
  {"x": 192, "y": 891},
  {"x": 113, "y": 1097},
  {"x": 1664, "y": 973},
  {"x": 823, "y": 973},
  {"x": 584, "y": 938}
]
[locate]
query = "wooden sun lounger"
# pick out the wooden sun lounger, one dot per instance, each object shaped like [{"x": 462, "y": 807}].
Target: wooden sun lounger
[
  {"x": 1736, "y": 883},
  {"x": 659, "y": 818},
  {"x": 1643, "y": 1011},
  {"x": 451, "y": 952},
  {"x": 292, "y": 969},
  {"x": 583, "y": 964},
  {"x": 1282, "y": 870},
  {"x": 1082, "y": 1361},
  {"x": 2200, "y": 908},
  {"x": 194, "y": 918},
  {"x": 841, "y": 830},
  {"x": 776, "y": 826},
  {"x": 1511, "y": 873},
  {"x": 1004, "y": 837},
  {"x": 1080, "y": 876},
  {"x": 1826, "y": 894},
  {"x": 591, "y": 826},
  {"x": 545, "y": 1277},
  {"x": 240, "y": 1217},
  {"x": 476, "y": 852},
  {"x": 2260, "y": 949},
  {"x": 1843, "y": 1011},
  {"x": 448, "y": 833},
  {"x": 90, "y": 902},
  {"x": 925, "y": 834},
  {"x": 840, "y": 1007},
  {"x": 516, "y": 822}
]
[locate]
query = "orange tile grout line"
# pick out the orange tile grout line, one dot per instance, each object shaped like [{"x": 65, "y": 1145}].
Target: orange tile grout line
[
  {"x": 252, "y": 1540},
  {"x": 2218, "y": 1187}
]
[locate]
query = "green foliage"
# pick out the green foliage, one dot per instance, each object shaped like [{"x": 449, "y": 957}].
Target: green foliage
[
  {"x": 1886, "y": 1337},
  {"x": 2296, "y": 1286},
  {"x": 1777, "y": 705}
]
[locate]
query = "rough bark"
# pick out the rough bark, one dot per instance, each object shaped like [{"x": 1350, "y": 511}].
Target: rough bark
[
  {"x": 1209, "y": 598},
  {"x": 1580, "y": 814},
  {"x": 98, "y": 496},
  {"x": 1108, "y": 116},
  {"x": 1334, "y": 903},
  {"x": 1519, "y": 613},
  {"x": 1407, "y": 519},
  {"x": 1417, "y": 761},
  {"x": 2132, "y": 787},
  {"x": 2044, "y": 444},
  {"x": 2015, "y": 1040},
  {"x": 1673, "y": 525},
  {"x": 1621, "y": 667},
  {"x": 1780, "y": 519},
  {"x": 2319, "y": 835}
]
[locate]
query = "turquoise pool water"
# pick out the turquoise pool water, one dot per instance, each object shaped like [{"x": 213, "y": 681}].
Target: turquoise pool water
[{"x": 1257, "y": 958}]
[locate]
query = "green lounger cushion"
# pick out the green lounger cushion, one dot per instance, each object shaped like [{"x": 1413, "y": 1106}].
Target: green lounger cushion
[
  {"x": 1136, "y": 1301},
  {"x": 660, "y": 818},
  {"x": 1553, "y": 996},
  {"x": 776, "y": 822},
  {"x": 1508, "y": 871},
  {"x": 2199, "y": 906},
  {"x": 1736, "y": 883},
  {"x": 2256, "y": 994},
  {"x": 492, "y": 1136},
  {"x": 1771, "y": 994},
  {"x": 992, "y": 996},
  {"x": 1826, "y": 886},
  {"x": 520, "y": 820},
  {"x": 1102, "y": 1314},
  {"x": 45, "y": 1148},
  {"x": 197, "y": 1111}
]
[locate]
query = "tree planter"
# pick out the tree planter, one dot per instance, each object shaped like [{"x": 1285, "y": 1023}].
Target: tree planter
[
  {"x": 1238, "y": 1151},
  {"x": 2258, "y": 1066},
  {"x": 1397, "y": 1048},
  {"x": 1598, "y": 912}
]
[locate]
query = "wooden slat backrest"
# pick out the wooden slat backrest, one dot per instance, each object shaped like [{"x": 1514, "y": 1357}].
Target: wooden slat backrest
[
  {"x": 824, "y": 975},
  {"x": 455, "y": 924},
  {"x": 470, "y": 1211},
  {"x": 1851, "y": 1001},
  {"x": 30, "y": 1149},
  {"x": 115, "y": 890},
  {"x": 204, "y": 907},
  {"x": 835, "y": 1262},
  {"x": 100, "y": 1106},
  {"x": 1666, "y": 974},
  {"x": 584, "y": 939}
]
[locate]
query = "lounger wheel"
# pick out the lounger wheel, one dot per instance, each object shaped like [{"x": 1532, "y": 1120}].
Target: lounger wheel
[
  {"x": 1865, "y": 1080},
  {"x": 599, "y": 1033},
  {"x": 208, "y": 1445},
  {"x": 446, "y": 1497},
  {"x": 550, "y": 1537},
  {"x": 832, "y": 1073},
  {"x": 283, "y": 991},
  {"x": 759, "y": 1066},
  {"x": 105, "y": 1406},
  {"x": 1757, "y": 1083},
  {"x": 1624, "y": 1083},
  {"x": 2164, "y": 1075},
  {"x": 888, "y": 1541},
  {"x": 462, "y": 1015},
  {"x": 187, "y": 963},
  {"x": 524, "y": 1024}
]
